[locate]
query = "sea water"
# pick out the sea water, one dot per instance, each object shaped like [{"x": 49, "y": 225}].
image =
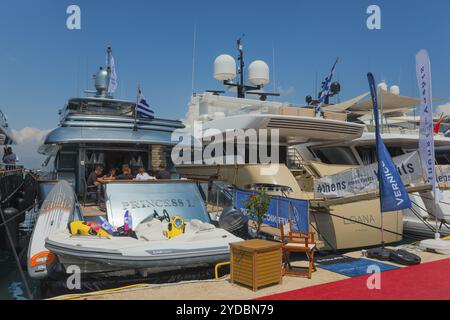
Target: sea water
[{"x": 11, "y": 286}]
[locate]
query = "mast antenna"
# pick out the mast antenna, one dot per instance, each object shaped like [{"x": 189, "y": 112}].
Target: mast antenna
[
  {"x": 273, "y": 68},
  {"x": 193, "y": 58},
  {"x": 240, "y": 88}
]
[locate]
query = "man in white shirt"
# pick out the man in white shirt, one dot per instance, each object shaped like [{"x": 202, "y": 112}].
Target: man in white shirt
[{"x": 142, "y": 175}]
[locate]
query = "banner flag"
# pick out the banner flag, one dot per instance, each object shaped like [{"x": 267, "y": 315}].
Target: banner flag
[
  {"x": 426, "y": 131},
  {"x": 281, "y": 209},
  {"x": 393, "y": 195},
  {"x": 364, "y": 179}
]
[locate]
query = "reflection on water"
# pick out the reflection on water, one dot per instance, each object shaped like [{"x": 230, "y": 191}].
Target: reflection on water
[
  {"x": 11, "y": 287},
  {"x": 16, "y": 292}
]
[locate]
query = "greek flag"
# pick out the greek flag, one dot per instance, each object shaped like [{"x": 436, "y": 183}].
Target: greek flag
[
  {"x": 112, "y": 86},
  {"x": 326, "y": 88},
  {"x": 143, "y": 109}
]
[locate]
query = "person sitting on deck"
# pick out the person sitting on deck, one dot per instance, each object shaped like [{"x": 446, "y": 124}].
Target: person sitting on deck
[
  {"x": 93, "y": 179},
  {"x": 111, "y": 174},
  {"x": 163, "y": 174},
  {"x": 142, "y": 175},
  {"x": 9, "y": 156},
  {"x": 126, "y": 173}
]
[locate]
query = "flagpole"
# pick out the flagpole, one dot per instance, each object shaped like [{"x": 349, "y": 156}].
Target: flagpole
[
  {"x": 392, "y": 192},
  {"x": 135, "y": 107},
  {"x": 374, "y": 94},
  {"x": 325, "y": 92},
  {"x": 108, "y": 67},
  {"x": 380, "y": 181}
]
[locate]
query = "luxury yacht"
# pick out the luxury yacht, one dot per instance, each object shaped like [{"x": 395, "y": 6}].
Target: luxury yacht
[
  {"x": 401, "y": 136},
  {"x": 165, "y": 223},
  {"x": 341, "y": 224}
]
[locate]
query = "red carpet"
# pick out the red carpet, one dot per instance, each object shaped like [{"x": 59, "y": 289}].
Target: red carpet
[{"x": 428, "y": 281}]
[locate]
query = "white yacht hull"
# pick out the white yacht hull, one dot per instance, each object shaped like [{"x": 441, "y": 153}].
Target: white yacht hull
[{"x": 123, "y": 255}]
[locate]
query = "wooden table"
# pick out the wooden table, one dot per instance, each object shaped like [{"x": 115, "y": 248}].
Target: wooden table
[{"x": 256, "y": 263}]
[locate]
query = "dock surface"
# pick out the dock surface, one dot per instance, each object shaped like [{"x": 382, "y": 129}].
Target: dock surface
[{"x": 223, "y": 289}]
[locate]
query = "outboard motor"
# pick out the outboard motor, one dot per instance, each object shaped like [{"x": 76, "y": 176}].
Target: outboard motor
[{"x": 234, "y": 221}]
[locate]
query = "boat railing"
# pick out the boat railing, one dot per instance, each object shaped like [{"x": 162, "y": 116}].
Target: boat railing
[
  {"x": 394, "y": 129},
  {"x": 11, "y": 167},
  {"x": 10, "y": 180},
  {"x": 270, "y": 110},
  {"x": 216, "y": 193},
  {"x": 295, "y": 159}
]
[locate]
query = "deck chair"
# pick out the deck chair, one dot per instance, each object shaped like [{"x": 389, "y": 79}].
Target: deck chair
[{"x": 292, "y": 241}]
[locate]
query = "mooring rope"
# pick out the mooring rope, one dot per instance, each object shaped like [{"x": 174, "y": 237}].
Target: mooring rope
[
  {"x": 372, "y": 226},
  {"x": 16, "y": 257}
]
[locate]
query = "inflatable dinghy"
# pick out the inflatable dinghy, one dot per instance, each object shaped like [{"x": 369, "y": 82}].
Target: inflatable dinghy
[
  {"x": 155, "y": 209},
  {"x": 201, "y": 244},
  {"x": 58, "y": 208}
]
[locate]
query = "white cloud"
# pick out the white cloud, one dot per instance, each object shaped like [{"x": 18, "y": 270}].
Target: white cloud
[
  {"x": 28, "y": 141},
  {"x": 443, "y": 108},
  {"x": 29, "y": 134},
  {"x": 285, "y": 92}
]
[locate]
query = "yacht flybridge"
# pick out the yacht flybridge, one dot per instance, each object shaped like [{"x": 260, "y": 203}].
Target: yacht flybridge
[
  {"x": 101, "y": 130},
  {"x": 154, "y": 225},
  {"x": 295, "y": 124},
  {"x": 347, "y": 224}
]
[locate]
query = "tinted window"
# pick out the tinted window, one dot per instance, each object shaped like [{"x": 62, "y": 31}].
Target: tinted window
[
  {"x": 368, "y": 154},
  {"x": 66, "y": 161},
  {"x": 443, "y": 157},
  {"x": 336, "y": 155}
]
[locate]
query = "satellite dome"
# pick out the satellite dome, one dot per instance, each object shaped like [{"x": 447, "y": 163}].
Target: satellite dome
[
  {"x": 258, "y": 73},
  {"x": 383, "y": 86},
  {"x": 224, "y": 68},
  {"x": 395, "y": 90},
  {"x": 101, "y": 80}
]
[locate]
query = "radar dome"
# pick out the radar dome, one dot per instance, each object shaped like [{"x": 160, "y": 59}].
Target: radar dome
[
  {"x": 224, "y": 68},
  {"x": 101, "y": 80},
  {"x": 383, "y": 86},
  {"x": 395, "y": 90},
  {"x": 258, "y": 73}
]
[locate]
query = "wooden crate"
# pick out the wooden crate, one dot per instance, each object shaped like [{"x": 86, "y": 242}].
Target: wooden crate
[{"x": 256, "y": 263}]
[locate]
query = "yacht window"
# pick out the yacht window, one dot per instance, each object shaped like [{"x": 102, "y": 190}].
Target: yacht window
[
  {"x": 336, "y": 155},
  {"x": 66, "y": 161},
  {"x": 115, "y": 159},
  {"x": 368, "y": 154},
  {"x": 113, "y": 108},
  {"x": 442, "y": 157}
]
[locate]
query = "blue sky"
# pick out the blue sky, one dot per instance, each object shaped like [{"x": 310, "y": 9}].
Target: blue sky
[{"x": 42, "y": 64}]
